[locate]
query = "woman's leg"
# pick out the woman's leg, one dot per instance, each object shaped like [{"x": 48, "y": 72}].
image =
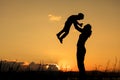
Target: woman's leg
[{"x": 80, "y": 62}]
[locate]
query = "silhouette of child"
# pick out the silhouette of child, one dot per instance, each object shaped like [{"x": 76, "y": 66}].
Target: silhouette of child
[
  {"x": 81, "y": 50},
  {"x": 71, "y": 20}
]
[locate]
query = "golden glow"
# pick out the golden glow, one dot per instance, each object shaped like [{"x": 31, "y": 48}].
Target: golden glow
[
  {"x": 58, "y": 67},
  {"x": 64, "y": 65},
  {"x": 25, "y": 63}
]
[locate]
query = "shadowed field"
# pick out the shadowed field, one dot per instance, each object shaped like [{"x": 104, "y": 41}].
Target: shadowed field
[
  {"x": 58, "y": 75},
  {"x": 16, "y": 71}
]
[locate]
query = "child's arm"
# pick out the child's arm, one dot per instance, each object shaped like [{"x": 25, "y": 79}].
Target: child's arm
[
  {"x": 80, "y": 24},
  {"x": 78, "y": 28}
]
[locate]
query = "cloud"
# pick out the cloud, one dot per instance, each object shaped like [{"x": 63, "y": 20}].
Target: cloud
[{"x": 54, "y": 18}]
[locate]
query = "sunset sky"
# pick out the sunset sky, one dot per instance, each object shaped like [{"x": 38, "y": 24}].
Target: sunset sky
[{"x": 28, "y": 31}]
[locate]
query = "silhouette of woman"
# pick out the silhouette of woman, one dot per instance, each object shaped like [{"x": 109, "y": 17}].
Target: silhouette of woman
[{"x": 85, "y": 34}]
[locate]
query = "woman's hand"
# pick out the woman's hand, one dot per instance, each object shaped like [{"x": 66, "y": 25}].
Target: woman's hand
[{"x": 81, "y": 24}]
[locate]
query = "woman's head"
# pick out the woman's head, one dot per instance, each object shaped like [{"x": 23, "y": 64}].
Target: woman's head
[
  {"x": 87, "y": 30},
  {"x": 87, "y": 27}
]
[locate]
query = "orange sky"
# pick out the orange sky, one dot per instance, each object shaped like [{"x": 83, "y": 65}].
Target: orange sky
[{"x": 28, "y": 31}]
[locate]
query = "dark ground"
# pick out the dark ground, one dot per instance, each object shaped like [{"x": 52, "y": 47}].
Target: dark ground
[{"x": 58, "y": 75}]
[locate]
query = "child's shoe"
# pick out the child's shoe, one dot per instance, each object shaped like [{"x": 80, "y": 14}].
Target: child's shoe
[
  {"x": 57, "y": 36},
  {"x": 61, "y": 41}
]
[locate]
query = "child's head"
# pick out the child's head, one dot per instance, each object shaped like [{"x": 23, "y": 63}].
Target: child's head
[{"x": 80, "y": 16}]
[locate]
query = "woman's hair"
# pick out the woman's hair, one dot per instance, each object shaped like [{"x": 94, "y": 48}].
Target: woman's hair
[{"x": 87, "y": 30}]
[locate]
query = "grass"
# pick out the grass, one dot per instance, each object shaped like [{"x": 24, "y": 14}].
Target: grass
[{"x": 13, "y": 72}]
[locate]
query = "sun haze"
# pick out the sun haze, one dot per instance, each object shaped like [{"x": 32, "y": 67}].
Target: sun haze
[{"x": 28, "y": 31}]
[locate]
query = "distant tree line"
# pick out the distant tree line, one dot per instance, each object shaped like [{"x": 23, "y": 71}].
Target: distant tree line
[{"x": 14, "y": 66}]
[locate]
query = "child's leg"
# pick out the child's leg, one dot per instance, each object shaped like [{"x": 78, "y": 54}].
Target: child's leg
[
  {"x": 64, "y": 31},
  {"x": 59, "y": 34},
  {"x": 63, "y": 36}
]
